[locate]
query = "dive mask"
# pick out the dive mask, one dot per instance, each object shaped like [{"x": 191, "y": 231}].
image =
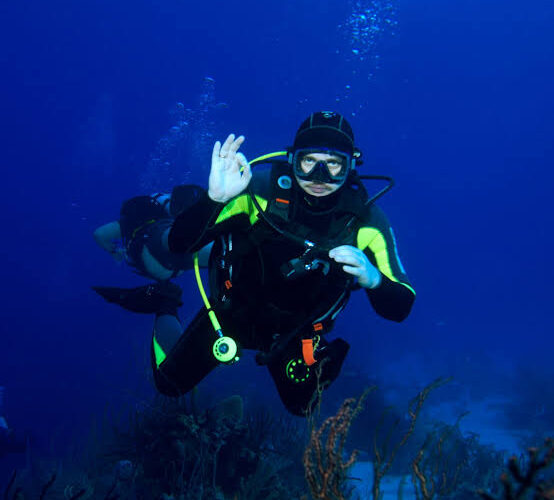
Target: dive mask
[{"x": 334, "y": 170}]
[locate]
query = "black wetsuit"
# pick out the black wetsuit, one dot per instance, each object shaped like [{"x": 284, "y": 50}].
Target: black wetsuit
[
  {"x": 144, "y": 219},
  {"x": 263, "y": 306}
]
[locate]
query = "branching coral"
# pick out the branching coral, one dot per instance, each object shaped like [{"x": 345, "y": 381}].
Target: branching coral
[
  {"x": 524, "y": 476},
  {"x": 324, "y": 465},
  {"x": 437, "y": 467},
  {"x": 453, "y": 465},
  {"x": 383, "y": 458}
]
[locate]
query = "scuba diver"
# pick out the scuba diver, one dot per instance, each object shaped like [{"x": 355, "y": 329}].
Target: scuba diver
[
  {"x": 9, "y": 442},
  {"x": 139, "y": 238},
  {"x": 291, "y": 242}
]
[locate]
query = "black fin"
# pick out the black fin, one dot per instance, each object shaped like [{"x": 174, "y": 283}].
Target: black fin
[{"x": 147, "y": 299}]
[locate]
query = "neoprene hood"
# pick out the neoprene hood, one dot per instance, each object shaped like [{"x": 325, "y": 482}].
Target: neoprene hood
[{"x": 325, "y": 129}]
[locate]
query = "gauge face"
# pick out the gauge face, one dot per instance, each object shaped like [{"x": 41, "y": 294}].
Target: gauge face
[
  {"x": 225, "y": 350},
  {"x": 297, "y": 370}
]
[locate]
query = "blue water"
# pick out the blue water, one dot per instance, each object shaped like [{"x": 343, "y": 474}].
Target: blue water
[{"x": 453, "y": 99}]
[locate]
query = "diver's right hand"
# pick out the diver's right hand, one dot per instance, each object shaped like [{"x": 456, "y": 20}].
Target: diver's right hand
[{"x": 226, "y": 179}]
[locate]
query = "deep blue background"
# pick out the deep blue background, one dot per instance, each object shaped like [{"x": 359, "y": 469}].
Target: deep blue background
[{"x": 460, "y": 113}]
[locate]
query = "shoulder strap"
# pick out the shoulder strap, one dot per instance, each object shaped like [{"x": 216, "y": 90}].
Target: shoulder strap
[
  {"x": 281, "y": 191},
  {"x": 274, "y": 184}
]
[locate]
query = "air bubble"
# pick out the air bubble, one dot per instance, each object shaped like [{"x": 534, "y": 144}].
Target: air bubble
[
  {"x": 368, "y": 22},
  {"x": 187, "y": 142}
]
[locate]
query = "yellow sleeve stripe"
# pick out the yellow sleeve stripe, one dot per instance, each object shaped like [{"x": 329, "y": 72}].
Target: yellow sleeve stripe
[
  {"x": 159, "y": 354},
  {"x": 241, "y": 205},
  {"x": 369, "y": 237}
]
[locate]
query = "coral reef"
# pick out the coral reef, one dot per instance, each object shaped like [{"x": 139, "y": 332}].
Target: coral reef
[
  {"x": 384, "y": 451},
  {"x": 324, "y": 465},
  {"x": 451, "y": 465},
  {"x": 171, "y": 450},
  {"x": 526, "y": 477},
  {"x": 168, "y": 451}
]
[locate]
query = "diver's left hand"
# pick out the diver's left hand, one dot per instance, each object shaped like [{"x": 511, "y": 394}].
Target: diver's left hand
[{"x": 357, "y": 264}]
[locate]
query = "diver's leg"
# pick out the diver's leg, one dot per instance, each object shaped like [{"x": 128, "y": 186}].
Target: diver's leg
[
  {"x": 298, "y": 384},
  {"x": 167, "y": 327},
  {"x": 179, "y": 369},
  {"x": 167, "y": 330}
]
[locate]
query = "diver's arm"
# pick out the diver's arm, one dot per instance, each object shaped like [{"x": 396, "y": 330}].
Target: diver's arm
[
  {"x": 394, "y": 297},
  {"x": 188, "y": 232},
  {"x": 219, "y": 208},
  {"x": 106, "y": 236},
  {"x": 391, "y": 300},
  {"x": 205, "y": 220}
]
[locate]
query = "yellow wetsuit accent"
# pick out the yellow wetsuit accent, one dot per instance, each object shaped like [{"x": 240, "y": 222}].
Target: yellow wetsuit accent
[
  {"x": 241, "y": 205},
  {"x": 369, "y": 237},
  {"x": 159, "y": 353}
]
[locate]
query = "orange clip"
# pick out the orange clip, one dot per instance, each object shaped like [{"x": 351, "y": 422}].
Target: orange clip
[
  {"x": 318, "y": 327},
  {"x": 228, "y": 284},
  {"x": 282, "y": 200},
  {"x": 308, "y": 351}
]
